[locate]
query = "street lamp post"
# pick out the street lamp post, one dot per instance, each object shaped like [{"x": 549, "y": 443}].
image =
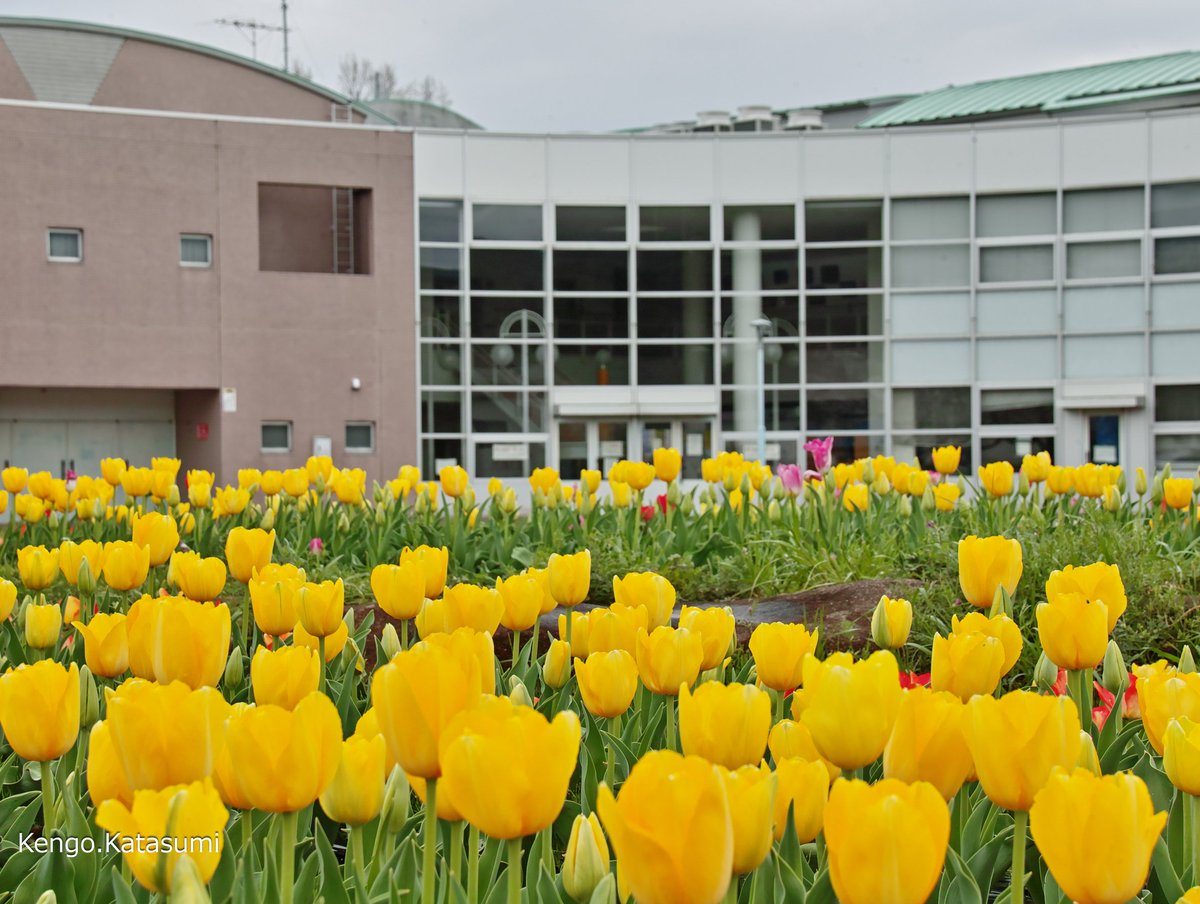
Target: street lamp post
[{"x": 762, "y": 328}]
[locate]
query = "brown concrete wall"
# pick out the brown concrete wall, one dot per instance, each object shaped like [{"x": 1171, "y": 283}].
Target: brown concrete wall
[
  {"x": 198, "y": 429},
  {"x": 12, "y": 81},
  {"x": 294, "y": 228},
  {"x": 130, "y": 316}
]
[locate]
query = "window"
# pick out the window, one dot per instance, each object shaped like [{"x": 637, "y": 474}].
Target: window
[
  {"x": 773, "y": 223},
  {"x": 1175, "y": 205},
  {"x": 591, "y": 318},
  {"x": 675, "y": 364},
  {"x": 589, "y": 224},
  {"x": 674, "y": 271},
  {"x": 507, "y": 222},
  {"x": 844, "y": 268},
  {"x": 506, "y": 270},
  {"x": 1177, "y": 403},
  {"x": 844, "y": 409},
  {"x": 1103, "y": 210},
  {"x": 441, "y": 221},
  {"x": 441, "y": 268},
  {"x": 930, "y": 218},
  {"x": 360, "y": 436},
  {"x": 1016, "y": 263},
  {"x": 931, "y": 265},
  {"x": 1104, "y": 260},
  {"x": 1016, "y": 406},
  {"x": 675, "y": 318},
  {"x": 674, "y": 224},
  {"x": 195, "y": 250},
  {"x": 64, "y": 245},
  {"x": 845, "y": 315},
  {"x": 843, "y": 221},
  {"x": 591, "y": 271},
  {"x": 766, "y": 269},
  {"x": 931, "y": 408},
  {"x": 277, "y": 436},
  {"x": 1180, "y": 255},
  {"x": 1000, "y": 215}
]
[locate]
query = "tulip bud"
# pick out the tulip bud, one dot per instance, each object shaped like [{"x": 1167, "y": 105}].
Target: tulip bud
[
  {"x": 173, "y": 496},
  {"x": 730, "y": 481},
  {"x": 830, "y": 481},
  {"x": 552, "y": 500},
  {"x": 881, "y": 631},
  {"x": 1187, "y": 664},
  {"x": 674, "y": 494},
  {"x": 774, "y": 512},
  {"x": 1112, "y": 499},
  {"x": 746, "y": 486},
  {"x": 586, "y": 860},
  {"x": 539, "y": 498},
  {"x": 1139, "y": 483},
  {"x": 906, "y": 506},
  {"x": 397, "y": 795},
  {"x": 687, "y": 504},
  {"x": 1045, "y": 674},
  {"x": 268, "y": 520},
  {"x": 187, "y": 883},
  {"x": 556, "y": 670},
  {"x": 962, "y": 486},
  {"x": 928, "y": 500},
  {"x": 1156, "y": 489},
  {"x": 348, "y": 619},
  {"x": 1002, "y": 603},
  {"x": 86, "y": 579},
  {"x": 1023, "y": 485},
  {"x": 343, "y": 524},
  {"x": 1088, "y": 759},
  {"x": 380, "y": 516},
  {"x": 881, "y": 485},
  {"x": 468, "y": 497},
  {"x": 587, "y": 502},
  {"x": 89, "y": 698},
  {"x": 1115, "y": 675},
  {"x": 868, "y": 473},
  {"x": 508, "y": 501},
  {"x": 519, "y": 694},
  {"x": 235, "y": 670},
  {"x": 389, "y": 642},
  {"x": 49, "y": 897}
]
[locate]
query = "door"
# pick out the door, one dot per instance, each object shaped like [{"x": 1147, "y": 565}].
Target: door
[
  {"x": 1104, "y": 438},
  {"x": 40, "y": 446},
  {"x": 87, "y": 443},
  {"x": 593, "y": 444},
  {"x": 141, "y": 441},
  {"x": 691, "y": 436}
]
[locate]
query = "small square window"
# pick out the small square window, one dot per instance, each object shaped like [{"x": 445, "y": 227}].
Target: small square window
[
  {"x": 360, "y": 436},
  {"x": 64, "y": 245},
  {"x": 277, "y": 436},
  {"x": 195, "y": 250}
]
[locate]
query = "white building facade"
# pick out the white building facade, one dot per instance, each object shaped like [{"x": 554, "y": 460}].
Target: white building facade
[{"x": 1006, "y": 287}]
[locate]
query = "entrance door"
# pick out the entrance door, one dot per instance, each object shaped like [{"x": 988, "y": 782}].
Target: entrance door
[
  {"x": 592, "y": 444},
  {"x": 88, "y": 442},
  {"x": 691, "y": 436},
  {"x": 40, "y": 446},
  {"x": 1104, "y": 438}
]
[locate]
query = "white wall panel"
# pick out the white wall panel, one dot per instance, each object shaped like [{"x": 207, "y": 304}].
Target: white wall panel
[
  {"x": 1174, "y": 147},
  {"x": 506, "y": 169},
  {"x": 763, "y": 171},
  {"x": 1022, "y": 158},
  {"x": 1175, "y": 305},
  {"x": 1096, "y": 357},
  {"x": 849, "y": 166},
  {"x": 1016, "y": 311},
  {"x": 1104, "y": 308},
  {"x": 1104, "y": 153},
  {"x": 930, "y": 314},
  {"x": 937, "y": 163},
  {"x": 673, "y": 170},
  {"x": 588, "y": 170},
  {"x": 438, "y": 165},
  {"x": 1016, "y": 360},
  {"x": 934, "y": 361},
  {"x": 1174, "y": 355}
]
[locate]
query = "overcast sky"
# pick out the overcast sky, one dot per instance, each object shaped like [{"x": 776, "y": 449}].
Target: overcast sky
[{"x": 550, "y": 65}]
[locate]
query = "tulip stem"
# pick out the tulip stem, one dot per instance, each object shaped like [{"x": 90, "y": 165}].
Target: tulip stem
[
  {"x": 321, "y": 656},
  {"x": 247, "y": 828},
  {"x": 49, "y": 823},
  {"x": 355, "y": 855},
  {"x": 1192, "y": 805},
  {"x": 428, "y": 876},
  {"x": 456, "y": 843},
  {"x": 404, "y": 634},
  {"x": 514, "y": 871},
  {"x": 287, "y": 856},
  {"x": 670, "y": 701},
  {"x": 1020, "y": 822},
  {"x": 778, "y": 706},
  {"x": 516, "y": 648},
  {"x": 473, "y": 865}
]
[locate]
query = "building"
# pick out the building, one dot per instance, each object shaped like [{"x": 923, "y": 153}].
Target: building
[{"x": 1010, "y": 266}]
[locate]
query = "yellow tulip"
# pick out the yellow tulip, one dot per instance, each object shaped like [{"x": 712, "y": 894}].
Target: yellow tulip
[
  {"x": 8, "y": 598},
  {"x": 536, "y": 757},
  {"x": 37, "y": 566},
  {"x": 1163, "y": 695},
  {"x": 41, "y": 484},
  {"x": 355, "y": 796},
  {"x": 927, "y": 744},
  {"x": 320, "y": 607},
  {"x": 789, "y": 738},
  {"x": 198, "y": 578},
  {"x": 726, "y": 724},
  {"x": 71, "y": 555},
  {"x": 415, "y": 696},
  {"x": 273, "y": 591},
  {"x": 319, "y": 467},
  {"x": 1060, "y": 480},
  {"x": 42, "y": 625},
  {"x": 665, "y": 859},
  {"x": 751, "y": 791},
  {"x": 651, "y": 591},
  {"x": 590, "y": 479},
  {"x": 1017, "y": 741},
  {"x": 668, "y": 658},
  {"x": 348, "y": 486},
  {"x": 463, "y": 605},
  {"x": 126, "y": 565},
  {"x": 1073, "y": 631},
  {"x": 945, "y": 496},
  {"x": 1036, "y": 468},
  {"x": 585, "y": 861},
  {"x": 886, "y": 842},
  {"x": 157, "y": 532},
  {"x": 248, "y": 550},
  {"x": 1001, "y": 627},
  {"x": 715, "y": 625},
  {"x": 399, "y": 589},
  {"x": 334, "y": 643},
  {"x": 985, "y": 564},
  {"x": 434, "y": 561},
  {"x": 522, "y": 598},
  {"x": 295, "y": 482},
  {"x": 30, "y": 508},
  {"x": 544, "y": 479},
  {"x": 638, "y": 474},
  {"x": 285, "y": 676},
  {"x": 803, "y": 786},
  {"x": 946, "y": 459},
  {"x": 668, "y": 463},
  {"x": 249, "y": 478},
  {"x": 283, "y": 759},
  {"x": 997, "y": 478},
  {"x": 1096, "y": 582},
  {"x": 105, "y": 773},
  {"x": 622, "y": 496},
  {"x": 779, "y": 652},
  {"x": 1181, "y": 755},
  {"x": 581, "y": 629},
  {"x": 467, "y": 642},
  {"x": 966, "y": 664},
  {"x": 39, "y": 709},
  {"x": 570, "y": 577},
  {"x": 177, "y": 639},
  {"x": 15, "y": 479},
  {"x": 105, "y": 644},
  {"x": 869, "y": 688},
  {"x": 1078, "y": 814},
  {"x": 890, "y": 622},
  {"x": 856, "y": 497},
  {"x": 1178, "y": 492},
  {"x": 607, "y": 682},
  {"x": 614, "y": 627},
  {"x": 271, "y": 483},
  {"x": 186, "y": 821},
  {"x": 454, "y": 480},
  {"x": 556, "y": 669}
]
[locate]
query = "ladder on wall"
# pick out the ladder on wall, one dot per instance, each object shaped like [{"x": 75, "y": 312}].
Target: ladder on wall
[
  {"x": 341, "y": 113},
  {"x": 343, "y": 230}
]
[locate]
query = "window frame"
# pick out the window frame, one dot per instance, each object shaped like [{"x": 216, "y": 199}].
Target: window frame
[
  {"x": 276, "y": 450},
  {"x": 196, "y": 265},
  {"x": 64, "y": 230},
  {"x": 358, "y": 450}
]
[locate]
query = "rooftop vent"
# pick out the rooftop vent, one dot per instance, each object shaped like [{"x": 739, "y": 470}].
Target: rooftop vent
[
  {"x": 803, "y": 120},
  {"x": 755, "y": 118},
  {"x": 713, "y": 121}
]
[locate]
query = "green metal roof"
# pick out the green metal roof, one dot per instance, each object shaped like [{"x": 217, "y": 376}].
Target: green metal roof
[
  {"x": 1097, "y": 85},
  {"x": 179, "y": 43}
]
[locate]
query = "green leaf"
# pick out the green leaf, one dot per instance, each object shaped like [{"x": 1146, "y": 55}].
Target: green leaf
[
  {"x": 220, "y": 887},
  {"x": 306, "y": 882},
  {"x": 122, "y": 893},
  {"x": 332, "y": 889},
  {"x": 548, "y": 891},
  {"x": 605, "y": 891},
  {"x": 524, "y": 556},
  {"x": 53, "y": 872},
  {"x": 793, "y": 886},
  {"x": 1162, "y": 871},
  {"x": 963, "y": 888},
  {"x": 821, "y": 891}
]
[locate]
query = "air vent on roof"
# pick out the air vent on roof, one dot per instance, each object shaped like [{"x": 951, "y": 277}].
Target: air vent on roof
[
  {"x": 713, "y": 121},
  {"x": 803, "y": 120},
  {"x": 754, "y": 118}
]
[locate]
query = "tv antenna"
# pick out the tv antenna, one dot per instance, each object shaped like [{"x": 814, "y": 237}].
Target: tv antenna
[{"x": 249, "y": 29}]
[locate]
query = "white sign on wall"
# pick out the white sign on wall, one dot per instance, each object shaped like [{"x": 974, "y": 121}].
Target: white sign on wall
[{"x": 229, "y": 400}]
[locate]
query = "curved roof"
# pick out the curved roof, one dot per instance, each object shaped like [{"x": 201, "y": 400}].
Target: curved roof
[{"x": 59, "y": 67}]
